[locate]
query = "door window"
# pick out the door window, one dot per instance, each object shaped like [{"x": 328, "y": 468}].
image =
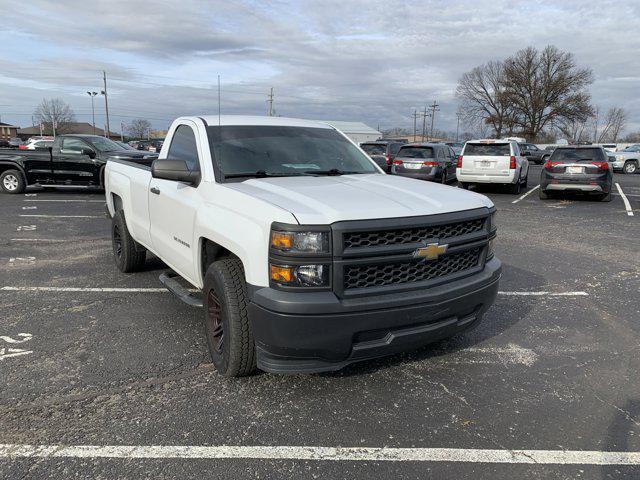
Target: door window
[
  {"x": 73, "y": 145},
  {"x": 183, "y": 147}
]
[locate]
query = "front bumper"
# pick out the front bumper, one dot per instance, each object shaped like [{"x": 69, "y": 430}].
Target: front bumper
[{"x": 317, "y": 332}]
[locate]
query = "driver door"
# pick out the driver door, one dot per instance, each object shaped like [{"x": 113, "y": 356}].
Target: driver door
[
  {"x": 173, "y": 206},
  {"x": 73, "y": 166}
]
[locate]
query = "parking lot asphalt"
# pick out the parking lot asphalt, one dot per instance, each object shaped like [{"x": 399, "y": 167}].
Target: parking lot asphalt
[{"x": 106, "y": 367}]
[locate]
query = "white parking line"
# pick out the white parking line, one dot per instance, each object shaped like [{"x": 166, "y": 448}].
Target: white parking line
[
  {"x": 518, "y": 199},
  {"x": 65, "y": 216},
  {"x": 68, "y": 201},
  {"x": 53, "y": 240},
  {"x": 551, "y": 294},
  {"x": 627, "y": 205},
  {"x": 344, "y": 454},
  {"x": 8, "y": 288}
]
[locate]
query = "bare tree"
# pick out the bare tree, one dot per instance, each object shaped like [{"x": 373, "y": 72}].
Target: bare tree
[
  {"x": 546, "y": 88},
  {"x": 482, "y": 92},
  {"x": 54, "y": 113},
  {"x": 614, "y": 122},
  {"x": 139, "y": 128}
]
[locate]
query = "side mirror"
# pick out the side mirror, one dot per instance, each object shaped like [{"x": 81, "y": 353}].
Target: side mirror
[
  {"x": 176, "y": 170},
  {"x": 88, "y": 152}
]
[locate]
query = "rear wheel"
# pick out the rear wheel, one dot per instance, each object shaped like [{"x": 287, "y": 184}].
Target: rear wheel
[
  {"x": 605, "y": 197},
  {"x": 227, "y": 325},
  {"x": 463, "y": 185},
  {"x": 11, "y": 181},
  {"x": 128, "y": 254},
  {"x": 443, "y": 177},
  {"x": 515, "y": 188},
  {"x": 630, "y": 168}
]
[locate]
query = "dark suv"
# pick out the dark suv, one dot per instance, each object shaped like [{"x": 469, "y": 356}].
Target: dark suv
[
  {"x": 533, "y": 153},
  {"x": 382, "y": 152},
  {"x": 577, "y": 169},
  {"x": 426, "y": 161}
]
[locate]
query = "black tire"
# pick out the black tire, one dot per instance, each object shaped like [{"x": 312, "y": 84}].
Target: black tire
[
  {"x": 226, "y": 319},
  {"x": 526, "y": 181},
  {"x": 542, "y": 194},
  {"x": 443, "y": 177},
  {"x": 630, "y": 168},
  {"x": 12, "y": 181},
  {"x": 605, "y": 197},
  {"x": 516, "y": 187},
  {"x": 465, "y": 186},
  {"x": 128, "y": 254}
]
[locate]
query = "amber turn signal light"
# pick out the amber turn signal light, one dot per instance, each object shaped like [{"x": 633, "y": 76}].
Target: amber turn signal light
[{"x": 280, "y": 274}]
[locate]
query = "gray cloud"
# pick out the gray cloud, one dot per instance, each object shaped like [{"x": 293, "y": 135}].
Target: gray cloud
[{"x": 358, "y": 60}]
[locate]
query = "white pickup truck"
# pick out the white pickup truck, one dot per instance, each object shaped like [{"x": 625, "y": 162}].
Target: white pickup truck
[{"x": 309, "y": 257}]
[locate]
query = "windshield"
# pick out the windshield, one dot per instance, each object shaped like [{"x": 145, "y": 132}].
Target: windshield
[
  {"x": 416, "y": 152},
  {"x": 103, "y": 144},
  {"x": 487, "y": 149},
  {"x": 284, "y": 151},
  {"x": 374, "y": 148},
  {"x": 571, "y": 155}
]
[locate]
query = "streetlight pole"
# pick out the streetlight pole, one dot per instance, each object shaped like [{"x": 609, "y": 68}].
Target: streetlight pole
[
  {"x": 93, "y": 110},
  {"x": 106, "y": 101}
]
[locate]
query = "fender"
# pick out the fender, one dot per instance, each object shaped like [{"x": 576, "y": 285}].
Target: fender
[{"x": 17, "y": 166}]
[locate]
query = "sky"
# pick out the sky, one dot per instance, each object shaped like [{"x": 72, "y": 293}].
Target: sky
[{"x": 354, "y": 60}]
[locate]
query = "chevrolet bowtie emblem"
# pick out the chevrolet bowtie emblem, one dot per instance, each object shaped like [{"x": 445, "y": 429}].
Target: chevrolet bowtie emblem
[{"x": 431, "y": 252}]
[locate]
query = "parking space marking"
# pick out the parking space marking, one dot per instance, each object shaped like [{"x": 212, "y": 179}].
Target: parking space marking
[
  {"x": 520, "y": 198},
  {"x": 64, "y": 216},
  {"x": 13, "y": 352},
  {"x": 22, "y": 260},
  {"x": 30, "y": 194},
  {"x": 30, "y": 208},
  {"x": 318, "y": 453},
  {"x": 53, "y": 240},
  {"x": 543, "y": 293},
  {"x": 26, "y": 228},
  {"x": 24, "y": 337},
  {"x": 67, "y": 201},
  {"x": 627, "y": 205},
  {"x": 8, "y": 288}
]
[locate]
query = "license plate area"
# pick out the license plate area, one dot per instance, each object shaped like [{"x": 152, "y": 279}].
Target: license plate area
[
  {"x": 412, "y": 166},
  {"x": 574, "y": 170},
  {"x": 484, "y": 164}
]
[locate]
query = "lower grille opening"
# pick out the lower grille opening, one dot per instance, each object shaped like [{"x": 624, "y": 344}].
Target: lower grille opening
[{"x": 383, "y": 274}]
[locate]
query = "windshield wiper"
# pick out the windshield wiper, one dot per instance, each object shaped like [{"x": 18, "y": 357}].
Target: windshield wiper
[
  {"x": 263, "y": 174},
  {"x": 331, "y": 172}
]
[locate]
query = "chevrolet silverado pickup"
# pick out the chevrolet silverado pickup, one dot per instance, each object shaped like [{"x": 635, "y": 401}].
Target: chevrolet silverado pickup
[
  {"x": 308, "y": 256},
  {"x": 77, "y": 160}
]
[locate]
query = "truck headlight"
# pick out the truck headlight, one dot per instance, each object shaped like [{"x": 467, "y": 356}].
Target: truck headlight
[
  {"x": 300, "y": 275},
  {"x": 490, "y": 251},
  {"x": 620, "y": 158},
  {"x": 300, "y": 242}
]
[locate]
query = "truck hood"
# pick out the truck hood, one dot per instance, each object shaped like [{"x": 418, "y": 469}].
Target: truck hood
[{"x": 324, "y": 200}]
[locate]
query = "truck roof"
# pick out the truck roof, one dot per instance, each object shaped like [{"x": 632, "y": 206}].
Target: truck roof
[{"x": 227, "y": 120}]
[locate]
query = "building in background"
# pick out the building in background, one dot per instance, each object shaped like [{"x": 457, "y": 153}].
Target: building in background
[
  {"x": 79, "y": 128},
  {"x": 8, "y": 131},
  {"x": 356, "y": 131}
]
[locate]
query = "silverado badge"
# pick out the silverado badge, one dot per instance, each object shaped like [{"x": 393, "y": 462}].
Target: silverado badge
[{"x": 431, "y": 252}]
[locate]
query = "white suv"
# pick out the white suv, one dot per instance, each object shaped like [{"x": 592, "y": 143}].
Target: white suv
[{"x": 492, "y": 161}]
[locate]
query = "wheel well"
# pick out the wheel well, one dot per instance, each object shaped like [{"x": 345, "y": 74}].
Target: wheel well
[
  {"x": 5, "y": 166},
  {"x": 210, "y": 252},
  {"x": 117, "y": 202}
]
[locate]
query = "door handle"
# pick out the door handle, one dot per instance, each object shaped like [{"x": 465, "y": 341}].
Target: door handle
[{"x": 155, "y": 190}]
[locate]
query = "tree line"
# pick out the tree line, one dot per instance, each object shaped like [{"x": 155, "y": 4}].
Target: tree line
[{"x": 538, "y": 94}]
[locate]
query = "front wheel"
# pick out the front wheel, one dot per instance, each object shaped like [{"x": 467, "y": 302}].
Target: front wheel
[
  {"x": 630, "y": 168},
  {"x": 226, "y": 319},
  {"x": 128, "y": 254},
  {"x": 11, "y": 181}
]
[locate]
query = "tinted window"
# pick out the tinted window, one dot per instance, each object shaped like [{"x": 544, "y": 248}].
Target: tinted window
[
  {"x": 103, "y": 144},
  {"x": 395, "y": 147},
  {"x": 73, "y": 144},
  {"x": 570, "y": 155},
  {"x": 487, "y": 149},
  {"x": 374, "y": 148},
  {"x": 282, "y": 150},
  {"x": 416, "y": 152},
  {"x": 183, "y": 147}
]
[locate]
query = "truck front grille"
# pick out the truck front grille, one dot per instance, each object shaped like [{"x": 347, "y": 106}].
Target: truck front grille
[
  {"x": 397, "y": 273},
  {"x": 412, "y": 234}
]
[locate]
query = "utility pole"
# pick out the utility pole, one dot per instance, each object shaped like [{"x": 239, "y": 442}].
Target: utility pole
[
  {"x": 457, "y": 126},
  {"x": 122, "y": 131},
  {"x": 93, "y": 110},
  {"x": 434, "y": 108},
  {"x": 106, "y": 101},
  {"x": 595, "y": 131},
  {"x": 415, "y": 119},
  {"x": 271, "y": 103},
  {"x": 424, "y": 122}
]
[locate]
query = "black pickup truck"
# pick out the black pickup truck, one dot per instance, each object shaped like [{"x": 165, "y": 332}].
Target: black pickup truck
[{"x": 77, "y": 160}]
